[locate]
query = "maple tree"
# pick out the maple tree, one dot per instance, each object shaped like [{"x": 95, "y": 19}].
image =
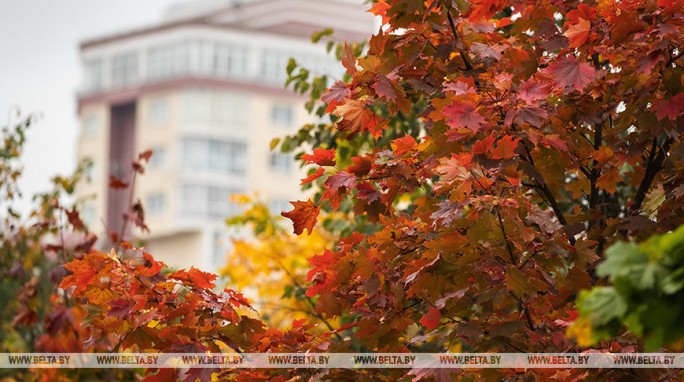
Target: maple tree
[{"x": 489, "y": 152}]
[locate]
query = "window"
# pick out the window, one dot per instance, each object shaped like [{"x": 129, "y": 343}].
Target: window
[
  {"x": 182, "y": 58},
  {"x": 91, "y": 125},
  {"x": 218, "y": 109},
  {"x": 168, "y": 60},
  {"x": 229, "y": 60},
  {"x": 319, "y": 64},
  {"x": 157, "y": 111},
  {"x": 89, "y": 215},
  {"x": 201, "y": 201},
  {"x": 273, "y": 65},
  {"x": 92, "y": 75},
  {"x": 124, "y": 69},
  {"x": 281, "y": 162},
  {"x": 215, "y": 156},
  {"x": 278, "y": 205},
  {"x": 158, "y": 158},
  {"x": 159, "y": 62},
  {"x": 281, "y": 115},
  {"x": 220, "y": 250},
  {"x": 154, "y": 204}
]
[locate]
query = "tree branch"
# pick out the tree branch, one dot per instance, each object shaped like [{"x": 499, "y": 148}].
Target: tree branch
[
  {"x": 124, "y": 224},
  {"x": 653, "y": 166},
  {"x": 308, "y": 299},
  {"x": 546, "y": 193},
  {"x": 461, "y": 51},
  {"x": 595, "y": 172},
  {"x": 509, "y": 247}
]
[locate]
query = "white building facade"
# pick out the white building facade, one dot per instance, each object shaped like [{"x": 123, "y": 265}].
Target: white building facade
[{"x": 204, "y": 90}]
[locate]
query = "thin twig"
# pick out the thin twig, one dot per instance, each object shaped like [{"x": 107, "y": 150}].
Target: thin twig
[{"x": 124, "y": 224}]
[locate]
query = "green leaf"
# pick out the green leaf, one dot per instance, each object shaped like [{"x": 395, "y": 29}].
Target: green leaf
[
  {"x": 602, "y": 305},
  {"x": 674, "y": 282},
  {"x": 317, "y": 36},
  {"x": 291, "y": 66},
  {"x": 622, "y": 259}
]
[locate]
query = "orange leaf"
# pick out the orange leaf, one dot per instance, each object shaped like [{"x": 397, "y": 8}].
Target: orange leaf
[
  {"x": 145, "y": 155},
  {"x": 403, "y": 145},
  {"x": 578, "y": 33},
  {"x": 380, "y": 9},
  {"x": 312, "y": 177},
  {"x": 609, "y": 180},
  {"x": 321, "y": 157},
  {"x": 505, "y": 148},
  {"x": 303, "y": 216},
  {"x": 196, "y": 277},
  {"x": 354, "y": 115},
  {"x": 482, "y": 146},
  {"x": 361, "y": 166},
  {"x": 349, "y": 61}
]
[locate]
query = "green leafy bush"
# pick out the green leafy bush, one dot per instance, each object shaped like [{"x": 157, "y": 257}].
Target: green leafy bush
[{"x": 646, "y": 293}]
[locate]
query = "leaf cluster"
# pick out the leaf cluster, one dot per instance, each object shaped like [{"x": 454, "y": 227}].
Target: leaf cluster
[{"x": 645, "y": 293}]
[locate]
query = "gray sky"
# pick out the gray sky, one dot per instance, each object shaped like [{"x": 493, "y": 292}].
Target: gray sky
[{"x": 39, "y": 70}]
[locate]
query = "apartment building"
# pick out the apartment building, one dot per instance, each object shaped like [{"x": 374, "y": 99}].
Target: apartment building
[{"x": 204, "y": 89}]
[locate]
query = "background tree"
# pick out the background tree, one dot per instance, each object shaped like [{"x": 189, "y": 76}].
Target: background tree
[
  {"x": 270, "y": 264},
  {"x": 645, "y": 295},
  {"x": 37, "y": 316}
]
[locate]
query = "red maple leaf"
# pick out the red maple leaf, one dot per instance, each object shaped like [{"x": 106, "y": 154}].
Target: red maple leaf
[
  {"x": 303, "y": 216},
  {"x": 75, "y": 219},
  {"x": 555, "y": 141},
  {"x": 431, "y": 319},
  {"x": 335, "y": 95},
  {"x": 383, "y": 88},
  {"x": 532, "y": 115},
  {"x": 671, "y": 108},
  {"x": 380, "y": 9},
  {"x": 338, "y": 92},
  {"x": 117, "y": 183},
  {"x": 464, "y": 115},
  {"x": 533, "y": 90},
  {"x": 568, "y": 73},
  {"x": 361, "y": 166},
  {"x": 341, "y": 179}
]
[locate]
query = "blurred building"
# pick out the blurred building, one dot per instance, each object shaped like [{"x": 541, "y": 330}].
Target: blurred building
[{"x": 204, "y": 89}]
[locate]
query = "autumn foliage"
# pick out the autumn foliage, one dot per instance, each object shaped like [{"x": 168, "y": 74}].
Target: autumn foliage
[
  {"x": 496, "y": 149},
  {"x": 480, "y": 158}
]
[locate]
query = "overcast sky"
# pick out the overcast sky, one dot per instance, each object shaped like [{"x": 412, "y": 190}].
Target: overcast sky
[{"x": 39, "y": 70}]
